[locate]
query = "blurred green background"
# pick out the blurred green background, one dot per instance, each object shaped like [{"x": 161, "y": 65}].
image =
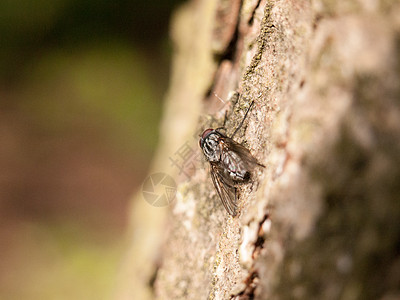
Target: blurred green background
[{"x": 81, "y": 88}]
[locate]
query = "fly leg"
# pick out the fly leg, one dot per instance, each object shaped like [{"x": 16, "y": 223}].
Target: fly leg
[{"x": 244, "y": 118}]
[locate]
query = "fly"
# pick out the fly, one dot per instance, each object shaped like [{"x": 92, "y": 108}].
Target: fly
[{"x": 231, "y": 163}]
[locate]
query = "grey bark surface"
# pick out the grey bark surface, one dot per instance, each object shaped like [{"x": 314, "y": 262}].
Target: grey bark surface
[{"x": 322, "y": 219}]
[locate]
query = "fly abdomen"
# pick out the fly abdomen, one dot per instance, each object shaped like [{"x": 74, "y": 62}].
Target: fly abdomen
[{"x": 234, "y": 164}]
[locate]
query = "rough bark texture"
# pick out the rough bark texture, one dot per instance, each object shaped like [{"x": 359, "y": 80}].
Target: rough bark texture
[{"x": 322, "y": 220}]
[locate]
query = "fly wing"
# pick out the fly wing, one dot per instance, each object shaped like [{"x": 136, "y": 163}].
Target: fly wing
[
  {"x": 243, "y": 152},
  {"x": 226, "y": 192}
]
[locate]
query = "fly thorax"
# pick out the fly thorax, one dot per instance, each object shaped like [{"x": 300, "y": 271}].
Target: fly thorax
[{"x": 211, "y": 147}]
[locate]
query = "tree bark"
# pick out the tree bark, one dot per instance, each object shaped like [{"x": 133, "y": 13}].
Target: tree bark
[{"x": 321, "y": 220}]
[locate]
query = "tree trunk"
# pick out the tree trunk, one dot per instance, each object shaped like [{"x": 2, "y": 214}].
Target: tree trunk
[{"x": 321, "y": 220}]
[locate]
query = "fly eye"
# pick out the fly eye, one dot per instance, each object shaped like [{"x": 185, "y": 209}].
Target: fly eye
[
  {"x": 200, "y": 142},
  {"x": 206, "y": 133}
]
